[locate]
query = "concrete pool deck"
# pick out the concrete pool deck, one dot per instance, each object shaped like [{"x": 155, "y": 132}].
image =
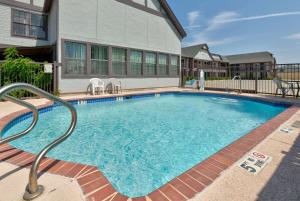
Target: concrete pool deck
[{"x": 279, "y": 180}]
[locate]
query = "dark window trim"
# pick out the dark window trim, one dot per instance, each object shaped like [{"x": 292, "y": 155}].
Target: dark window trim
[
  {"x": 130, "y": 63},
  {"x": 13, "y": 10},
  {"x": 87, "y": 57},
  {"x": 141, "y": 7},
  {"x": 156, "y": 62},
  {"x": 178, "y": 63},
  {"x": 21, "y": 5},
  {"x": 126, "y": 62},
  {"x": 167, "y": 65},
  {"x": 110, "y": 75},
  {"x": 101, "y": 60}
]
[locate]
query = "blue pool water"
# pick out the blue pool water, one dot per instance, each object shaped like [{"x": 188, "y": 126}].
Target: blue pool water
[{"x": 141, "y": 144}]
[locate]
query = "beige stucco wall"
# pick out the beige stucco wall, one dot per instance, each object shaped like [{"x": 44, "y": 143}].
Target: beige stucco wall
[
  {"x": 113, "y": 23},
  {"x": 80, "y": 85}
]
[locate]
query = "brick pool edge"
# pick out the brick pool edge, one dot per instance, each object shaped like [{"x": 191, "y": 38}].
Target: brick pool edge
[{"x": 96, "y": 187}]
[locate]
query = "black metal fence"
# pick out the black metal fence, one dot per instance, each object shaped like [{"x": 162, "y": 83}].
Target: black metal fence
[
  {"x": 254, "y": 79},
  {"x": 37, "y": 74}
]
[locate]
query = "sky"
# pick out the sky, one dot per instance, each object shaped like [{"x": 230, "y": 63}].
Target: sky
[{"x": 242, "y": 26}]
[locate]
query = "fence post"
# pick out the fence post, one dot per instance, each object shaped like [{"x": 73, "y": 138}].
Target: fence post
[
  {"x": 55, "y": 77},
  {"x": 0, "y": 75},
  {"x": 256, "y": 80}
]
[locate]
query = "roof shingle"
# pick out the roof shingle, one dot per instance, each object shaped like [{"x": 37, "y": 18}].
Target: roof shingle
[{"x": 256, "y": 57}]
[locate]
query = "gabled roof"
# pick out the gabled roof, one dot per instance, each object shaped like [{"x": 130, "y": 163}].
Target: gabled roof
[
  {"x": 173, "y": 18},
  {"x": 165, "y": 6},
  {"x": 256, "y": 57},
  {"x": 216, "y": 57},
  {"x": 192, "y": 51},
  {"x": 224, "y": 59}
]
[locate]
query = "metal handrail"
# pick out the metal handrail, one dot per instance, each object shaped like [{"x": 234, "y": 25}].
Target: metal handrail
[
  {"x": 32, "y": 125},
  {"x": 33, "y": 190}
]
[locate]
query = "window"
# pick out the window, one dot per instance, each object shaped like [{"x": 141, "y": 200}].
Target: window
[
  {"x": 29, "y": 24},
  {"x": 136, "y": 63},
  {"x": 174, "y": 68},
  {"x": 75, "y": 58},
  {"x": 99, "y": 57},
  {"x": 118, "y": 61},
  {"x": 150, "y": 64},
  {"x": 163, "y": 63}
]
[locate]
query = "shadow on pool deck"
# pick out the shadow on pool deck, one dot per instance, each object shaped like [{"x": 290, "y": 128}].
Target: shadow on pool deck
[
  {"x": 284, "y": 184},
  {"x": 23, "y": 166}
]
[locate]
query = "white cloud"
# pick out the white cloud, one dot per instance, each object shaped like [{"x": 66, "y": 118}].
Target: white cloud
[
  {"x": 258, "y": 17},
  {"x": 232, "y": 16},
  {"x": 192, "y": 17},
  {"x": 293, "y": 36},
  {"x": 213, "y": 24},
  {"x": 220, "y": 20},
  {"x": 224, "y": 41}
]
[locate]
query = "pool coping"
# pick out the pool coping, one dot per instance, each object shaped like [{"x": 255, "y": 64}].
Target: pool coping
[{"x": 96, "y": 187}]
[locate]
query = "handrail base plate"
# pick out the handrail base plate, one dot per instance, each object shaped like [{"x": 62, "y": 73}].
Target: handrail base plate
[{"x": 30, "y": 196}]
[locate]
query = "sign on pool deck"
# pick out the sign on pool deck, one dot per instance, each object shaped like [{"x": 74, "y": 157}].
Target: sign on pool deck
[{"x": 255, "y": 162}]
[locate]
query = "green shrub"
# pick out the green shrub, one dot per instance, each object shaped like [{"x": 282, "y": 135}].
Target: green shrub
[
  {"x": 218, "y": 78},
  {"x": 17, "y": 68}
]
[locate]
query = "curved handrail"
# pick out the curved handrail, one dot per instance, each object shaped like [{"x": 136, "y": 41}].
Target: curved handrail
[
  {"x": 31, "y": 126},
  {"x": 33, "y": 190}
]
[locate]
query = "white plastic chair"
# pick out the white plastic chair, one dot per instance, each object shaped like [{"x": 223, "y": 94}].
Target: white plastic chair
[
  {"x": 116, "y": 85},
  {"x": 283, "y": 86},
  {"x": 97, "y": 85}
]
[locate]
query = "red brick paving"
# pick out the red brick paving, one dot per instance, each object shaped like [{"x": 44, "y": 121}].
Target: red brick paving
[
  {"x": 139, "y": 199},
  {"x": 119, "y": 197}
]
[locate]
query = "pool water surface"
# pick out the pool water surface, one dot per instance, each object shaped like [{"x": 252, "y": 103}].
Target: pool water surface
[{"x": 141, "y": 144}]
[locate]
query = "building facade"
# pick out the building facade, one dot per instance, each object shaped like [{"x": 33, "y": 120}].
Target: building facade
[
  {"x": 198, "y": 57},
  {"x": 136, "y": 41},
  {"x": 258, "y": 65}
]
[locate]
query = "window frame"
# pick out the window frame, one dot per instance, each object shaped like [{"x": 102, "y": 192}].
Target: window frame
[
  {"x": 127, "y": 74},
  {"x": 177, "y": 66},
  {"x": 125, "y": 62},
  {"x": 100, "y": 60},
  {"x": 45, "y": 27},
  {"x": 166, "y": 65},
  {"x": 64, "y": 59},
  {"x": 155, "y": 64}
]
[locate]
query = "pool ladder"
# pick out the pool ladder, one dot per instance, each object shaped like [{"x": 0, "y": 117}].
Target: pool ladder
[{"x": 33, "y": 190}]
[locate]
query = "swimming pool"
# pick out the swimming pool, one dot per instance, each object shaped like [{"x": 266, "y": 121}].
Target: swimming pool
[{"x": 142, "y": 143}]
